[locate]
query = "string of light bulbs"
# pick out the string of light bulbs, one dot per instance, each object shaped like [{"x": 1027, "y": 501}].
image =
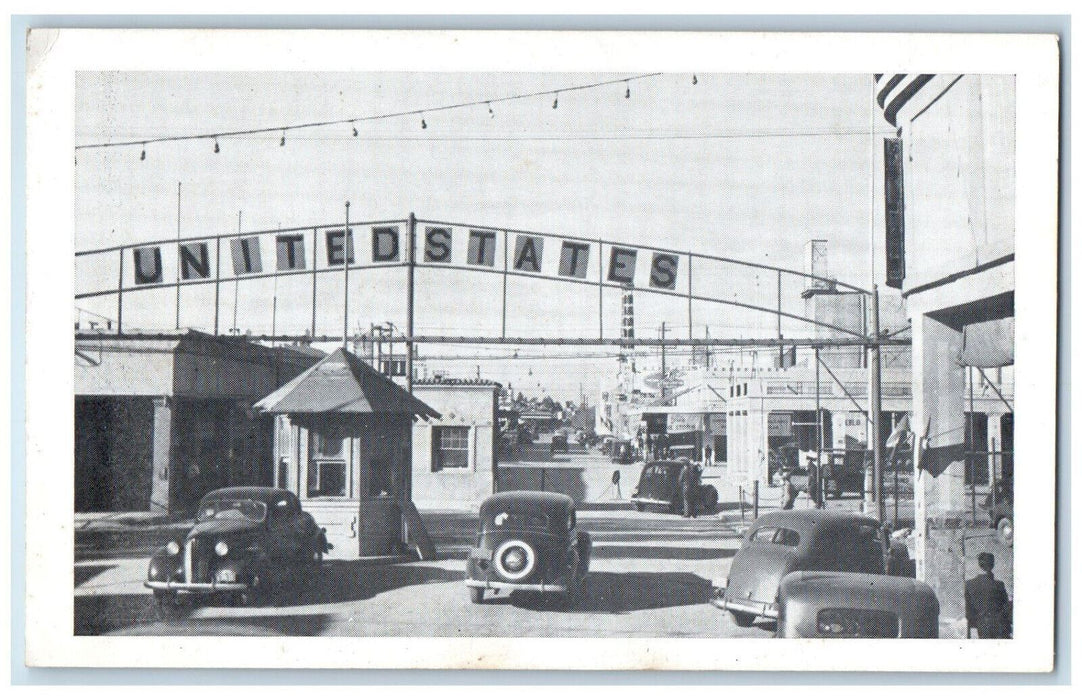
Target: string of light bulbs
[{"x": 352, "y": 122}]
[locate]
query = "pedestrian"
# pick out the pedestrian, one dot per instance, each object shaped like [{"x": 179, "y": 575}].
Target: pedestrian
[
  {"x": 815, "y": 490},
  {"x": 788, "y": 491},
  {"x": 988, "y": 609},
  {"x": 689, "y": 488}
]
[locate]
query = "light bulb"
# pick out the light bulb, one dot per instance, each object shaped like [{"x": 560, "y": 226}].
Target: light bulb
[
  {"x": 424, "y": 124},
  {"x": 627, "y": 93},
  {"x": 216, "y": 148},
  {"x": 694, "y": 79},
  {"x": 283, "y": 141},
  {"x": 143, "y": 155},
  {"x": 556, "y": 102},
  {"x": 354, "y": 129}
]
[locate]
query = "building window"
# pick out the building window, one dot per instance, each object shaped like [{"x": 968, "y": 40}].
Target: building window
[
  {"x": 450, "y": 448},
  {"x": 327, "y": 468},
  {"x": 327, "y": 477}
]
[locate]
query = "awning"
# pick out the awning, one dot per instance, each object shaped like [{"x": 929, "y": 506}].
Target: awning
[
  {"x": 988, "y": 343},
  {"x": 343, "y": 383}
]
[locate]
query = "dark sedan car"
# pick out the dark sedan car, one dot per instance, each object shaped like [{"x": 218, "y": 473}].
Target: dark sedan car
[
  {"x": 836, "y": 605},
  {"x": 785, "y": 541},
  {"x": 245, "y": 540},
  {"x": 528, "y": 541},
  {"x": 659, "y": 485}
]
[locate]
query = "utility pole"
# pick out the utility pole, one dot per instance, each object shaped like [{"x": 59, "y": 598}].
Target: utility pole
[
  {"x": 663, "y": 375},
  {"x": 345, "y": 282},
  {"x": 876, "y": 396}
]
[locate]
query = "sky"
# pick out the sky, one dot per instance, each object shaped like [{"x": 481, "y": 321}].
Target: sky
[{"x": 744, "y": 166}]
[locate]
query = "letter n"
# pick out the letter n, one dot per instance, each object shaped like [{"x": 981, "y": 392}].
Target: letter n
[{"x": 194, "y": 261}]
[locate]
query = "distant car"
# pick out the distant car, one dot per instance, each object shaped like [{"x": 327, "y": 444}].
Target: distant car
[
  {"x": 845, "y": 605},
  {"x": 623, "y": 452},
  {"x": 559, "y": 443},
  {"x": 785, "y": 541},
  {"x": 528, "y": 541},
  {"x": 246, "y": 542},
  {"x": 659, "y": 486}
]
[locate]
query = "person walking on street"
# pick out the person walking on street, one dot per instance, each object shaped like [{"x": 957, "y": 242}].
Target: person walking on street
[
  {"x": 988, "y": 609},
  {"x": 689, "y": 488},
  {"x": 815, "y": 491},
  {"x": 788, "y": 491}
]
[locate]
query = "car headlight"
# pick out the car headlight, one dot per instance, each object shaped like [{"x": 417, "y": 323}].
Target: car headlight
[
  {"x": 221, "y": 549},
  {"x": 172, "y": 549}
]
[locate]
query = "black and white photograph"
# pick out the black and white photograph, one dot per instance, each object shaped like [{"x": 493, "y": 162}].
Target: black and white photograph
[{"x": 542, "y": 350}]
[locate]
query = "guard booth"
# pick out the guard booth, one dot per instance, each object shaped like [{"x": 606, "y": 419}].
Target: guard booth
[{"x": 343, "y": 444}]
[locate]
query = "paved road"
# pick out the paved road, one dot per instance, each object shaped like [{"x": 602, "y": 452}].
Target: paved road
[{"x": 651, "y": 577}]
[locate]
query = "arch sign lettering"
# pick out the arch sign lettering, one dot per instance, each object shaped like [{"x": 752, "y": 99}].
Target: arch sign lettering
[{"x": 417, "y": 243}]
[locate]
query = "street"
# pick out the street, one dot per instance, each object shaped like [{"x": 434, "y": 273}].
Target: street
[{"x": 650, "y": 577}]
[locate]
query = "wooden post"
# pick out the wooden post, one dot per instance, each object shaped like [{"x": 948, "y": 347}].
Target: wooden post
[{"x": 755, "y": 500}]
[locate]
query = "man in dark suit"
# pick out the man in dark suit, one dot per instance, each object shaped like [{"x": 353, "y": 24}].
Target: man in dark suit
[
  {"x": 987, "y": 607},
  {"x": 689, "y": 489}
]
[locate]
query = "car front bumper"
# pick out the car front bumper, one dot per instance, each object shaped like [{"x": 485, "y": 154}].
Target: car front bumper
[
  {"x": 750, "y": 607},
  {"x": 650, "y": 501},
  {"x": 500, "y": 585},
  {"x": 182, "y": 587}
]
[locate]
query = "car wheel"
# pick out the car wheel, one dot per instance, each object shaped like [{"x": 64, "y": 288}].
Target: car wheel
[
  {"x": 1005, "y": 531},
  {"x": 477, "y": 595},
  {"x": 709, "y": 498},
  {"x": 742, "y": 619}
]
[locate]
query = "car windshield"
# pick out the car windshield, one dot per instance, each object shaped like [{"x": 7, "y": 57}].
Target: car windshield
[{"x": 232, "y": 509}]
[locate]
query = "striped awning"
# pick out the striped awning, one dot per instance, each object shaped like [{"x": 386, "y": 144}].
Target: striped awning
[{"x": 905, "y": 95}]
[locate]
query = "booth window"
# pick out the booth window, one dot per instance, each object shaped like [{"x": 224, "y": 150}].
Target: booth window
[
  {"x": 327, "y": 469},
  {"x": 450, "y": 448}
]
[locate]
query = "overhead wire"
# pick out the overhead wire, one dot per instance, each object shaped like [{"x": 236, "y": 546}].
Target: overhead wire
[{"x": 353, "y": 120}]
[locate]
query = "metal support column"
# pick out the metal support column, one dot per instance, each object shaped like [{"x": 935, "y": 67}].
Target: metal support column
[
  {"x": 411, "y": 260},
  {"x": 120, "y": 295}
]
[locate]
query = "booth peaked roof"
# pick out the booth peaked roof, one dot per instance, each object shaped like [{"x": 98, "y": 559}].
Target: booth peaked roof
[{"x": 342, "y": 383}]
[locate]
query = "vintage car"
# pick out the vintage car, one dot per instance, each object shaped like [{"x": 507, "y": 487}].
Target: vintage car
[
  {"x": 622, "y": 452},
  {"x": 559, "y": 443},
  {"x": 659, "y": 486},
  {"x": 843, "y": 605},
  {"x": 785, "y": 541},
  {"x": 246, "y": 542},
  {"x": 528, "y": 541}
]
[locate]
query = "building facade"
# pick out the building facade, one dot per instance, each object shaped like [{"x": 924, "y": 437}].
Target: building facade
[
  {"x": 159, "y": 421},
  {"x": 455, "y": 456},
  {"x": 950, "y": 185}
]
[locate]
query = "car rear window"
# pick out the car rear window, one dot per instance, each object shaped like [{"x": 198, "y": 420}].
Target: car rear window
[
  {"x": 506, "y": 520},
  {"x": 776, "y": 535},
  {"x": 856, "y": 623}
]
